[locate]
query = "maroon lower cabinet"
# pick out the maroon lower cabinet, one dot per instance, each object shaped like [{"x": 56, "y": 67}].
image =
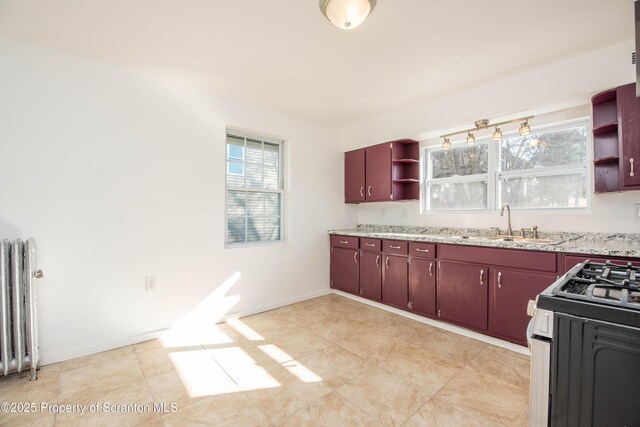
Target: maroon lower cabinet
[
  {"x": 422, "y": 285},
  {"x": 345, "y": 269},
  {"x": 509, "y": 295},
  {"x": 395, "y": 289},
  {"x": 371, "y": 275},
  {"x": 463, "y": 292}
]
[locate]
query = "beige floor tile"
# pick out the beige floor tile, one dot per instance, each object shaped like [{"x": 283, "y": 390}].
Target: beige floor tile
[
  {"x": 330, "y": 411},
  {"x": 17, "y": 388},
  {"x": 335, "y": 365},
  {"x": 168, "y": 388},
  {"x": 370, "y": 345},
  {"x": 152, "y": 423},
  {"x": 504, "y": 365},
  {"x": 86, "y": 383},
  {"x": 496, "y": 400},
  {"x": 450, "y": 346},
  {"x": 148, "y": 345},
  {"x": 293, "y": 393},
  {"x": 96, "y": 358},
  {"x": 298, "y": 342},
  {"x": 222, "y": 410},
  {"x": 387, "y": 398},
  {"x": 26, "y": 420},
  {"x": 130, "y": 405},
  {"x": 267, "y": 324},
  {"x": 421, "y": 368},
  {"x": 439, "y": 413},
  {"x": 155, "y": 362},
  {"x": 249, "y": 367}
]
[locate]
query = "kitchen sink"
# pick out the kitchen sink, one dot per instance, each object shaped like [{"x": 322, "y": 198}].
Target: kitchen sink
[{"x": 516, "y": 239}]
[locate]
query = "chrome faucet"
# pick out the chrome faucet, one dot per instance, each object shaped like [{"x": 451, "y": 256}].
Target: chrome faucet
[{"x": 509, "y": 229}]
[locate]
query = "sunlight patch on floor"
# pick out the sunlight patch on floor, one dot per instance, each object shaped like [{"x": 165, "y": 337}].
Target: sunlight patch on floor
[
  {"x": 244, "y": 370},
  {"x": 245, "y": 330},
  {"x": 200, "y": 374}
]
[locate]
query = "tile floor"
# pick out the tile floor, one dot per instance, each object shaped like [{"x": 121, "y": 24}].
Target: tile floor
[{"x": 328, "y": 361}]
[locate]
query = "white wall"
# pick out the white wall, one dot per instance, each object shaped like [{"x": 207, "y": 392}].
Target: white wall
[
  {"x": 119, "y": 177},
  {"x": 565, "y": 84}
]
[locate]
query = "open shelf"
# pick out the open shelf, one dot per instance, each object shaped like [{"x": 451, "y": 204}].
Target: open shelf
[
  {"x": 406, "y": 180},
  {"x": 605, "y": 160},
  {"x": 610, "y": 127},
  {"x": 604, "y": 97}
]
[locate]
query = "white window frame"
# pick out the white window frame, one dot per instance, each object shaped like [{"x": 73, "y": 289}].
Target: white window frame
[
  {"x": 495, "y": 174},
  {"x": 280, "y": 143}
]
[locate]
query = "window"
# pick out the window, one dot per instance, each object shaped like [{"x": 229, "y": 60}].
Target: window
[
  {"x": 254, "y": 189},
  {"x": 547, "y": 169}
]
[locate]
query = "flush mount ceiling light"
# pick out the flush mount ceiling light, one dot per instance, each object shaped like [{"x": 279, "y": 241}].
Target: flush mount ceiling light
[
  {"x": 525, "y": 129},
  {"x": 347, "y": 14}
]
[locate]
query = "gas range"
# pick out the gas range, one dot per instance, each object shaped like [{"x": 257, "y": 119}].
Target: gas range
[{"x": 603, "y": 291}]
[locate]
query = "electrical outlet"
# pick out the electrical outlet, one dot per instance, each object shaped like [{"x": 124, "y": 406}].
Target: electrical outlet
[
  {"x": 150, "y": 283},
  {"x": 636, "y": 212}
]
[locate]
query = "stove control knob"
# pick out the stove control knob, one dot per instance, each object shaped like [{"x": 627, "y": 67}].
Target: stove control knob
[{"x": 531, "y": 308}]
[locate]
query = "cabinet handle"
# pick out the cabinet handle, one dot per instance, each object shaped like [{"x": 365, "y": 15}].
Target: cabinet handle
[
  {"x": 370, "y": 244},
  {"x": 387, "y": 262},
  {"x": 394, "y": 247},
  {"x": 499, "y": 279},
  {"x": 430, "y": 269},
  {"x": 361, "y": 191},
  {"x": 482, "y": 277},
  {"x": 369, "y": 190},
  {"x": 422, "y": 250},
  {"x": 377, "y": 260},
  {"x": 631, "y": 163},
  {"x": 355, "y": 256},
  {"x": 344, "y": 242}
]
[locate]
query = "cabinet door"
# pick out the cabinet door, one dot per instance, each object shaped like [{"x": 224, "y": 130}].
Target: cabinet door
[
  {"x": 354, "y": 176},
  {"x": 371, "y": 275},
  {"x": 510, "y": 292},
  {"x": 344, "y": 269},
  {"x": 378, "y": 172},
  {"x": 629, "y": 122},
  {"x": 463, "y": 292},
  {"x": 422, "y": 285},
  {"x": 395, "y": 289}
]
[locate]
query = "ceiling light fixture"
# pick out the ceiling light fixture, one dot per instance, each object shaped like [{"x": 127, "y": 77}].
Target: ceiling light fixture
[
  {"x": 525, "y": 129},
  {"x": 347, "y": 14},
  {"x": 497, "y": 135}
]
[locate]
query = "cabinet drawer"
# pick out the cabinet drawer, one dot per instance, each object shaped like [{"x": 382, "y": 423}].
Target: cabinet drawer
[
  {"x": 373, "y": 245},
  {"x": 395, "y": 247},
  {"x": 531, "y": 260},
  {"x": 422, "y": 250},
  {"x": 344, "y": 242}
]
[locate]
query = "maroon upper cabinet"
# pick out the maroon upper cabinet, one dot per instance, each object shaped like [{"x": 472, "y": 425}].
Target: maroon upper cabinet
[
  {"x": 463, "y": 292},
  {"x": 510, "y": 293},
  {"x": 378, "y": 164},
  {"x": 354, "y": 176},
  {"x": 629, "y": 123},
  {"x": 383, "y": 172},
  {"x": 422, "y": 285}
]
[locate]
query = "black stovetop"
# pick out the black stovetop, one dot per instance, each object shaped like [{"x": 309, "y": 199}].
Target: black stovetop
[{"x": 601, "y": 291}]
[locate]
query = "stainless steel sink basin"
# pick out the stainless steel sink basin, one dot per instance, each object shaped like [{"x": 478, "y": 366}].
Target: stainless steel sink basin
[{"x": 481, "y": 238}]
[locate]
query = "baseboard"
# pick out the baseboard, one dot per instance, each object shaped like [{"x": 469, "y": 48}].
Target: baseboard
[
  {"x": 446, "y": 326},
  {"x": 135, "y": 339}
]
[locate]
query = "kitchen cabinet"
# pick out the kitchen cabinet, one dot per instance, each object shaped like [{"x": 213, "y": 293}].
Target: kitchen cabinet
[
  {"x": 616, "y": 139},
  {"x": 395, "y": 286},
  {"x": 344, "y": 270},
  {"x": 463, "y": 292},
  {"x": 384, "y": 172},
  {"x": 354, "y": 176},
  {"x": 422, "y": 285},
  {"x": 371, "y": 269},
  {"x": 509, "y": 294}
]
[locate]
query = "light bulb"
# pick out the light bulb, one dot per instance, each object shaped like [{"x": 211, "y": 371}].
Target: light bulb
[
  {"x": 497, "y": 135},
  {"x": 525, "y": 129},
  {"x": 471, "y": 139},
  {"x": 347, "y": 14},
  {"x": 446, "y": 144}
]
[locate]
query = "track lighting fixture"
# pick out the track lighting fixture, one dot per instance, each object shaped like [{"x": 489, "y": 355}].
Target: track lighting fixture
[{"x": 525, "y": 129}]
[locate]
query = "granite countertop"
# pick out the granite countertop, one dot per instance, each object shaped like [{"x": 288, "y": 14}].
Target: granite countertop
[{"x": 605, "y": 244}]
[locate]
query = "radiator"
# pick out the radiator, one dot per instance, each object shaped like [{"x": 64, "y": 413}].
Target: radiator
[{"x": 19, "y": 349}]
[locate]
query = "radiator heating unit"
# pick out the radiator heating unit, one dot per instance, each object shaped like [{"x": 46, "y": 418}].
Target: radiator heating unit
[{"x": 18, "y": 309}]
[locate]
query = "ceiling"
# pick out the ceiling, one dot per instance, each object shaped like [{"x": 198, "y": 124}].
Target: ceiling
[{"x": 285, "y": 55}]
